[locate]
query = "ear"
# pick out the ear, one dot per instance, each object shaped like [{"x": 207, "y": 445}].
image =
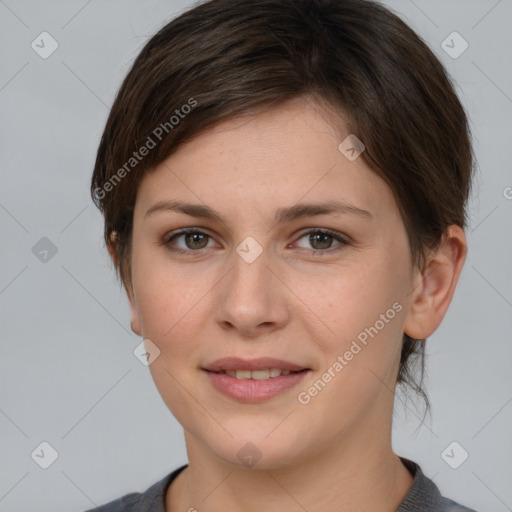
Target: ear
[
  {"x": 434, "y": 286},
  {"x": 112, "y": 250},
  {"x": 135, "y": 320}
]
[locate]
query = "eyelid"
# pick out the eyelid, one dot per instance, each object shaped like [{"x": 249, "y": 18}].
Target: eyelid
[
  {"x": 331, "y": 232},
  {"x": 184, "y": 231},
  {"x": 341, "y": 238}
]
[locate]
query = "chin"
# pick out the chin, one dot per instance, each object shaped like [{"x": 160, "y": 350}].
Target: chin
[{"x": 258, "y": 453}]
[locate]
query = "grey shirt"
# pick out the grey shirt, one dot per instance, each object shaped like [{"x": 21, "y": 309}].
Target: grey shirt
[{"x": 423, "y": 496}]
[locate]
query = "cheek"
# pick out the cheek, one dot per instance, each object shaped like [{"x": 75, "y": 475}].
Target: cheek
[
  {"x": 170, "y": 311},
  {"x": 354, "y": 298},
  {"x": 168, "y": 302},
  {"x": 363, "y": 305},
  {"x": 361, "y": 355}
]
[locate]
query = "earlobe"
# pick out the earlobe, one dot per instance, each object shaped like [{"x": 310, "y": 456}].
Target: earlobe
[
  {"x": 112, "y": 249},
  {"x": 135, "y": 321},
  {"x": 437, "y": 282}
]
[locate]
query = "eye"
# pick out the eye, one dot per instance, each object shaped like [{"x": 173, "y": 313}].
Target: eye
[
  {"x": 322, "y": 239},
  {"x": 193, "y": 239}
]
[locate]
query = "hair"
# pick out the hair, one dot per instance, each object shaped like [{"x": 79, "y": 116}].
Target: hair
[{"x": 226, "y": 58}]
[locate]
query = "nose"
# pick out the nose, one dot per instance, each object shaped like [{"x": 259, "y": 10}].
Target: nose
[{"x": 252, "y": 300}]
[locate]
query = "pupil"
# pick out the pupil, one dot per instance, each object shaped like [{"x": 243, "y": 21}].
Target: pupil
[
  {"x": 323, "y": 239},
  {"x": 196, "y": 238}
]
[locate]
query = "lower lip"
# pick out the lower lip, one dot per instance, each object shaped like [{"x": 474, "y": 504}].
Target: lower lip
[{"x": 251, "y": 390}]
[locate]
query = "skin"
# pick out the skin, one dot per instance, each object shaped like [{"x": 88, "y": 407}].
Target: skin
[{"x": 291, "y": 303}]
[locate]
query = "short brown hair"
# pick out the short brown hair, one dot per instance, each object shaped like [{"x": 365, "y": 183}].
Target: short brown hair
[{"x": 226, "y": 58}]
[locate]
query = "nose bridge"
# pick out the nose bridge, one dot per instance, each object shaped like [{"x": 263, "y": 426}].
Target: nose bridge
[
  {"x": 249, "y": 296},
  {"x": 250, "y": 272}
]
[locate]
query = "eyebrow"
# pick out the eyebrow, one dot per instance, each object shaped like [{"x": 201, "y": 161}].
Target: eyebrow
[{"x": 282, "y": 215}]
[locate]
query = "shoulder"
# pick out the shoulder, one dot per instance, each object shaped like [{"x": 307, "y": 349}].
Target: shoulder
[
  {"x": 151, "y": 500},
  {"x": 424, "y": 495},
  {"x": 127, "y": 503},
  {"x": 451, "y": 506}
]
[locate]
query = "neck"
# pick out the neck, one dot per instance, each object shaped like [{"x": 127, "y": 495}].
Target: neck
[{"x": 348, "y": 475}]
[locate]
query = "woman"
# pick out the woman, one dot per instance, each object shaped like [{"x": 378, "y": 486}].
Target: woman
[{"x": 284, "y": 186}]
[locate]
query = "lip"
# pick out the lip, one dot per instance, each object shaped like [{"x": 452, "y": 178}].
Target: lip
[
  {"x": 262, "y": 363},
  {"x": 251, "y": 390}
]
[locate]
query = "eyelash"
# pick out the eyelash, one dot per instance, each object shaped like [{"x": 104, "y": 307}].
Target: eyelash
[{"x": 318, "y": 252}]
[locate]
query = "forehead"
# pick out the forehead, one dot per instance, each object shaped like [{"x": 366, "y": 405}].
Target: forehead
[{"x": 272, "y": 158}]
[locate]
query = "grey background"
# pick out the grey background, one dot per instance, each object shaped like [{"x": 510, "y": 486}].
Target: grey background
[{"x": 68, "y": 375}]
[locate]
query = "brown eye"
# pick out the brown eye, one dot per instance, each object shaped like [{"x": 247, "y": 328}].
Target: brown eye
[
  {"x": 322, "y": 240},
  {"x": 196, "y": 240},
  {"x": 192, "y": 240}
]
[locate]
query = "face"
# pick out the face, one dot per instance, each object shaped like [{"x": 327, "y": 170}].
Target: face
[{"x": 264, "y": 277}]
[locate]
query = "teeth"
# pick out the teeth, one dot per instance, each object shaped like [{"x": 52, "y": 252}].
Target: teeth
[{"x": 257, "y": 374}]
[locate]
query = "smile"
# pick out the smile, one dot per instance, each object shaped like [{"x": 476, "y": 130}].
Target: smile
[
  {"x": 254, "y": 386},
  {"x": 257, "y": 374}
]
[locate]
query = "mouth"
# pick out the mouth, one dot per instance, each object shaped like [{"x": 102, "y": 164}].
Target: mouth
[
  {"x": 238, "y": 364},
  {"x": 255, "y": 380},
  {"x": 270, "y": 373}
]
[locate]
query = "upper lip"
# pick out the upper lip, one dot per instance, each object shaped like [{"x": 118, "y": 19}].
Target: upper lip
[{"x": 262, "y": 363}]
